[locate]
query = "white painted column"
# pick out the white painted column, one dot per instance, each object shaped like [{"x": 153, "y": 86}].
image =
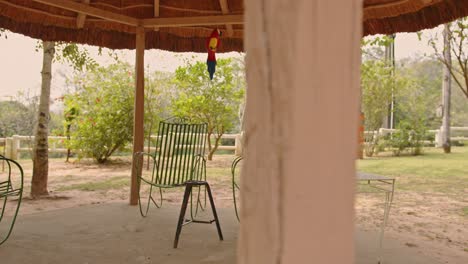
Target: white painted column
[{"x": 297, "y": 186}]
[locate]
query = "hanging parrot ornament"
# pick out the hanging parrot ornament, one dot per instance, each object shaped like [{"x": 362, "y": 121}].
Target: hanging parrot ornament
[{"x": 212, "y": 44}]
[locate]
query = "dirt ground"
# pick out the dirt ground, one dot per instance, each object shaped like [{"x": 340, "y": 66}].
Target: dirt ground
[
  {"x": 426, "y": 222},
  {"x": 115, "y": 233}
]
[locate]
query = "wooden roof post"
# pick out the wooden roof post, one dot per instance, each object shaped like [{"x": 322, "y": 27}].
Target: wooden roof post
[
  {"x": 298, "y": 177},
  {"x": 138, "y": 130}
]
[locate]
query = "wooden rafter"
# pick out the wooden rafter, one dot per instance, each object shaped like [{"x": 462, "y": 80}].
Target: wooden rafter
[
  {"x": 91, "y": 11},
  {"x": 80, "y": 20},
  {"x": 151, "y": 22},
  {"x": 194, "y": 21},
  {"x": 156, "y": 11},
  {"x": 225, "y": 10}
]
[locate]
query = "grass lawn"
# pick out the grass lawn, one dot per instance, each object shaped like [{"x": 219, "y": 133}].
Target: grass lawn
[
  {"x": 431, "y": 197},
  {"x": 433, "y": 172}
]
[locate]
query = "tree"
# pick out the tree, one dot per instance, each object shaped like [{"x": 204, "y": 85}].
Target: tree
[
  {"x": 376, "y": 83},
  {"x": 41, "y": 146},
  {"x": 416, "y": 101},
  {"x": 3, "y": 33},
  {"x": 446, "y": 91},
  {"x": 12, "y": 119},
  {"x": 458, "y": 41},
  {"x": 455, "y": 38},
  {"x": 79, "y": 59},
  {"x": 423, "y": 80},
  {"x": 70, "y": 114},
  {"x": 413, "y": 110},
  {"x": 214, "y": 102},
  {"x": 104, "y": 103},
  {"x": 157, "y": 101}
]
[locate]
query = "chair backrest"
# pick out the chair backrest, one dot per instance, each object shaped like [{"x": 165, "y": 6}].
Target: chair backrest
[
  {"x": 180, "y": 153},
  {"x": 12, "y": 168}
]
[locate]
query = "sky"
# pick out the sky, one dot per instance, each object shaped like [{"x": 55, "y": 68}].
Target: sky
[{"x": 20, "y": 63}]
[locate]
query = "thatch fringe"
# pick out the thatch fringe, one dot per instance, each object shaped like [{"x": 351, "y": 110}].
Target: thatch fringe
[
  {"x": 428, "y": 17},
  {"x": 55, "y": 24},
  {"x": 118, "y": 40},
  {"x": 393, "y": 8}
]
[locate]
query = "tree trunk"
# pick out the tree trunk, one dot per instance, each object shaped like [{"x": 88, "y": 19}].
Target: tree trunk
[
  {"x": 41, "y": 146},
  {"x": 446, "y": 91},
  {"x": 149, "y": 141},
  {"x": 210, "y": 155},
  {"x": 388, "y": 121},
  {"x": 68, "y": 141},
  {"x": 212, "y": 149}
]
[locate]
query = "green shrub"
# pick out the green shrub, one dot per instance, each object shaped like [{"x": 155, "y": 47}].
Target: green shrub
[
  {"x": 408, "y": 137},
  {"x": 104, "y": 122}
]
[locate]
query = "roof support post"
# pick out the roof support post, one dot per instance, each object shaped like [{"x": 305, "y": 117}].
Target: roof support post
[
  {"x": 138, "y": 130},
  {"x": 298, "y": 177}
]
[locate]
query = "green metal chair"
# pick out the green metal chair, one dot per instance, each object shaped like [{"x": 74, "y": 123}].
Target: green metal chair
[
  {"x": 179, "y": 161},
  {"x": 235, "y": 185},
  {"x": 10, "y": 189}
]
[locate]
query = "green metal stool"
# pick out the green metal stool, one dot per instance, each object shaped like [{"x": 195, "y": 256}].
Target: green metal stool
[
  {"x": 235, "y": 185},
  {"x": 10, "y": 189}
]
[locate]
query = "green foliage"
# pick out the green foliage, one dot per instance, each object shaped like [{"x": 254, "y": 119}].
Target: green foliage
[
  {"x": 19, "y": 116},
  {"x": 12, "y": 118},
  {"x": 458, "y": 63},
  {"x": 72, "y": 54},
  {"x": 3, "y": 33},
  {"x": 158, "y": 89},
  {"x": 422, "y": 94},
  {"x": 104, "y": 103},
  {"x": 372, "y": 48},
  {"x": 214, "y": 102},
  {"x": 377, "y": 84},
  {"x": 408, "y": 137},
  {"x": 414, "y": 89}
]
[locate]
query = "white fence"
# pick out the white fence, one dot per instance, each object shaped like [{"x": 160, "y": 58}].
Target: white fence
[
  {"x": 437, "y": 134},
  {"x": 14, "y": 146}
]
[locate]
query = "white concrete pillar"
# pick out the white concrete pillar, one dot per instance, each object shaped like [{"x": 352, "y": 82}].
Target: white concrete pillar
[{"x": 297, "y": 186}]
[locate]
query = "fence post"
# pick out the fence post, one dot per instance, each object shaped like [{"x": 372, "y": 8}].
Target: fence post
[
  {"x": 381, "y": 132},
  {"x": 438, "y": 137},
  {"x": 54, "y": 144},
  {"x": 15, "y": 144},
  {"x": 238, "y": 145},
  {"x": 8, "y": 147}
]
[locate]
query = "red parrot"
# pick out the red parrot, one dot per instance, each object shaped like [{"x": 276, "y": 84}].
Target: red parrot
[{"x": 212, "y": 44}]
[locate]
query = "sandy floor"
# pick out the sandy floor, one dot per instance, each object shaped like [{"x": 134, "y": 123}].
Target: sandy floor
[
  {"x": 424, "y": 223},
  {"x": 115, "y": 233}
]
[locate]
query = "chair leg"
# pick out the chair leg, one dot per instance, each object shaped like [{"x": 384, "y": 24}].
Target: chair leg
[
  {"x": 183, "y": 209},
  {"x": 218, "y": 226}
]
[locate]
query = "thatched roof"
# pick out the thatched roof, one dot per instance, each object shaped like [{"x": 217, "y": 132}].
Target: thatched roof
[
  {"x": 185, "y": 24},
  {"x": 45, "y": 20},
  {"x": 392, "y": 16}
]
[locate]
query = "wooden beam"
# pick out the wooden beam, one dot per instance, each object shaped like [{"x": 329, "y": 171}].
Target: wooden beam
[
  {"x": 156, "y": 12},
  {"x": 138, "y": 130},
  {"x": 91, "y": 11},
  {"x": 80, "y": 20},
  {"x": 225, "y": 10},
  {"x": 194, "y": 21}
]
